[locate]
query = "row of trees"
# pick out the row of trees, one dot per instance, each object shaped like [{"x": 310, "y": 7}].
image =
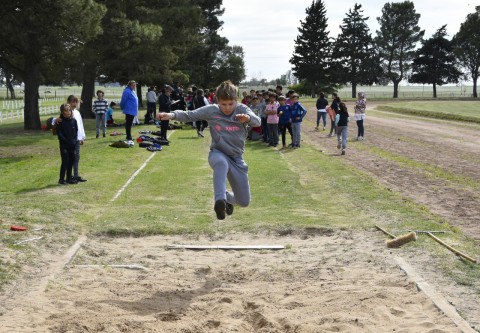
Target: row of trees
[
  {"x": 357, "y": 58},
  {"x": 83, "y": 41}
]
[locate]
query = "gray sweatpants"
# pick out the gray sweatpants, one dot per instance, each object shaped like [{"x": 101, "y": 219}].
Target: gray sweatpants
[
  {"x": 236, "y": 171},
  {"x": 296, "y": 129},
  {"x": 100, "y": 122}
]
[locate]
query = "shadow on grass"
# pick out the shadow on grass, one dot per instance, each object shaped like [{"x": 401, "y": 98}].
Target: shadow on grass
[
  {"x": 38, "y": 189},
  {"x": 12, "y": 135}
]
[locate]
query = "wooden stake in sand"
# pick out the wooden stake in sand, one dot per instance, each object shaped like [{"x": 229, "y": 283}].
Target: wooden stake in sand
[
  {"x": 133, "y": 266},
  {"x": 226, "y": 247},
  {"x": 28, "y": 240}
]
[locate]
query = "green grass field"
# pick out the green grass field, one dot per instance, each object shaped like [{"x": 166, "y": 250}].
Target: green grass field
[
  {"x": 453, "y": 110},
  {"x": 173, "y": 194}
]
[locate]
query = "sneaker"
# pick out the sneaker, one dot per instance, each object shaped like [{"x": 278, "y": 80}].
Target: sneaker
[
  {"x": 72, "y": 181},
  {"x": 62, "y": 182},
  {"x": 130, "y": 143},
  {"x": 339, "y": 144},
  {"x": 80, "y": 179},
  {"x": 316, "y": 128},
  {"x": 154, "y": 147},
  {"x": 324, "y": 128},
  {"x": 330, "y": 135},
  {"x": 96, "y": 136},
  {"x": 104, "y": 134},
  {"x": 229, "y": 208},
  {"x": 361, "y": 138},
  {"x": 343, "y": 151},
  {"x": 220, "y": 209},
  {"x": 200, "y": 134}
]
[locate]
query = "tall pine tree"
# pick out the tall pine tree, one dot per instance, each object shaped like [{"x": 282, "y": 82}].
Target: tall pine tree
[
  {"x": 435, "y": 62},
  {"x": 354, "y": 52},
  {"x": 397, "y": 39},
  {"x": 208, "y": 44},
  {"x": 467, "y": 46},
  {"x": 312, "y": 60},
  {"x": 39, "y": 33}
]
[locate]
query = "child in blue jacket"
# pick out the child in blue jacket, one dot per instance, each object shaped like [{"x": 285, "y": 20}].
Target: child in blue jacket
[
  {"x": 298, "y": 113},
  {"x": 285, "y": 121}
]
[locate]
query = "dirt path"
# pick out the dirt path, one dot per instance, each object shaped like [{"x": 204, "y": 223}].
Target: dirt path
[{"x": 435, "y": 163}]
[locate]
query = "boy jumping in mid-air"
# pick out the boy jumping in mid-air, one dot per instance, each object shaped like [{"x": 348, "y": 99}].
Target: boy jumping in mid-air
[{"x": 227, "y": 121}]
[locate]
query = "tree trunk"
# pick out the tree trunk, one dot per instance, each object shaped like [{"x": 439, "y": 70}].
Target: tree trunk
[
  {"x": 312, "y": 92},
  {"x": 139, "y": 94},
  {"x": 434, "y": 90},
  {"x": 395, "y": 88},
  {"x": 31, "y": 116},
  {"x": 9, "y": 86},
  {"x": 475, "y": 78},
  {"x": 88, "y": 88},
  {"x": 354, "y": 90}
]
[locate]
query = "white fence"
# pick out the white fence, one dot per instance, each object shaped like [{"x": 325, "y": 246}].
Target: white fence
[{"x": 13, "y": 109}]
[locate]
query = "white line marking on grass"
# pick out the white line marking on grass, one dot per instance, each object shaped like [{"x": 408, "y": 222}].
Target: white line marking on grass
[{"x": 136, "y": 173}]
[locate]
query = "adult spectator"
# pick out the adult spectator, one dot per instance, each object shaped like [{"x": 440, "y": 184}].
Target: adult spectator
[
  {"x": 129, "y": 106},
  {"x": 164, "y": 102},
  {"x": 151, "y": 105}
]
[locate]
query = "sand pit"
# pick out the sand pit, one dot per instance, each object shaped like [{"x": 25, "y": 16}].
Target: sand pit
[{"x": 322, "y": 282}]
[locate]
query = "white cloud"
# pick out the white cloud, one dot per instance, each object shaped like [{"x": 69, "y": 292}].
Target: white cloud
[{"x": 267, "y": 29}]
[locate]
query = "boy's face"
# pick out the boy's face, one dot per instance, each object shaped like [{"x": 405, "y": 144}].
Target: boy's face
[
  {"x": 67, "y": 113},
  {"x": 295, "y": 99},
  {"x": 100, "y": 95},
  {"x": 255, "y": 101},
  {"x": 73, "y": 104},
  {"x": 227, "y": 106},
  {"x": 282, "y": 102}
]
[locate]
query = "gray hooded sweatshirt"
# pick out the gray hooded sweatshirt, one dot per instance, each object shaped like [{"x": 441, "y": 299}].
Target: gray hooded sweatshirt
[{"x": 228, "y": 134}]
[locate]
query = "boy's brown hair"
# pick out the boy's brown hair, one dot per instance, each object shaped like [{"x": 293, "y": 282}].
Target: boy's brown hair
[
  {"x": 63, "y": 107},
  {"x": 227, "y": 91}
]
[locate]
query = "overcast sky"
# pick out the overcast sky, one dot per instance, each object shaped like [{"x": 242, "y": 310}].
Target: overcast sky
[{"x": 267, "y": 29}]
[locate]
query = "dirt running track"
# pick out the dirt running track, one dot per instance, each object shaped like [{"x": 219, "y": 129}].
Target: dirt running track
[{"x": 445, "y": 150}]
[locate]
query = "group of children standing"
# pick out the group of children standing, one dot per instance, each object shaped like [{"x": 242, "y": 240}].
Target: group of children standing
[
  {"x": 278, "y": 114},
  {"x": 340, "y": 118}
]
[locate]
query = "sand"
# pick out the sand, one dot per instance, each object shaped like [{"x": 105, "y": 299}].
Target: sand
[{"x": 323, "y": 281}]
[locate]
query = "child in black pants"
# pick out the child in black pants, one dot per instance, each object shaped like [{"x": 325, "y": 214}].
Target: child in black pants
[{"x": 67, "y": 137}]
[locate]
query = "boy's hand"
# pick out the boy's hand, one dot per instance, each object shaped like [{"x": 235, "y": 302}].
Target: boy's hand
[
  {"x": 164, "y": 116},
  {"x": 243, "y": 118}
]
